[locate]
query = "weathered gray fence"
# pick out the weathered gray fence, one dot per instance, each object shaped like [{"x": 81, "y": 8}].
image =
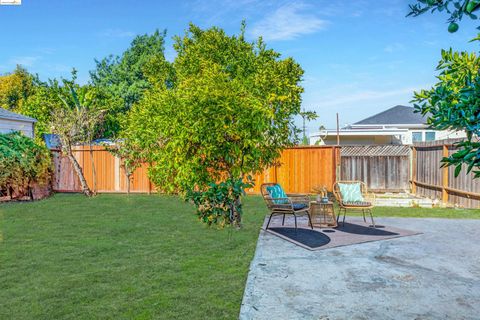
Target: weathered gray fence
[
  {"x": 430, "y": 180},
  {"x": 382, "y": 168}
]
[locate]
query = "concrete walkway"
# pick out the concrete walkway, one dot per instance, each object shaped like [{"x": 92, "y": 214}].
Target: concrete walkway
[{"x": 435, "y": 275}]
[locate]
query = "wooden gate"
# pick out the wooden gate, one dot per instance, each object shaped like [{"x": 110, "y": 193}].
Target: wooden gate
[{"x": 382, "y": 168}]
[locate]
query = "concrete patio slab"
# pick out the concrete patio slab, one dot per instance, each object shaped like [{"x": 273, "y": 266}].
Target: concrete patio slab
[{"x": 434, "y": 275}]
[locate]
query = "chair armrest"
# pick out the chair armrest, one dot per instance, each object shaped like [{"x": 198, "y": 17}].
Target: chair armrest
[
  {"x": 288, "y": 205},
  {"x": 370, "y": 197},
  {"x": 300, "y": 198},
  {"x": 293, "y": 195}
]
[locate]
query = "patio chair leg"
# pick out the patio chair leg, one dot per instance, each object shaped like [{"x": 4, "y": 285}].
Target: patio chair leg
[
  {"x": 268, "y": 223},
  {"x": 371, "y": 216},
  {"x": 283, "y": 220},
  {"x": 344, "y": 214},
  {"x": 295, "y": 221},
  {"x": 310, "y": 220},
  {"x": 364, "y": 220}
]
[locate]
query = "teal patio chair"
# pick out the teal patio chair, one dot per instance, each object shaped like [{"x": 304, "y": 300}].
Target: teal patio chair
[{"x": 280, "y": 203}]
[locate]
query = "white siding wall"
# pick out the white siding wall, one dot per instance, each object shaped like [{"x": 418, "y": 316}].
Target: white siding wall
[
  {"x": 439, "y": 135},
  {"x": 7, "y": 126}
]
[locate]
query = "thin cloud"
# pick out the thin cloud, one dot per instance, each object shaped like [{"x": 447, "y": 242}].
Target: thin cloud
[
  {"x": 117, "y": 33},
  {"x": 394, "y": 47},
  {"x": 370, "y": 95},
  {"x": 288, "y": 22},
  {"x": 26, "y": 61}
]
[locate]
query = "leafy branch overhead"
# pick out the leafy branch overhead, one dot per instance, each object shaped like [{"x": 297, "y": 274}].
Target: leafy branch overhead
[
  {"x": 453, "y": 103},
  {"x": 456, "y": 9}
]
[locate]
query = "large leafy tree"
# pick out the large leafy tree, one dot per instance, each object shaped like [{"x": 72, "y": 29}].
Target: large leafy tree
[
  {"x": 454, "y": 101},
  {"x": 224, "y": 109},
  {"x": 124, "y": 76},
  {"x": 15, "y": 88}
]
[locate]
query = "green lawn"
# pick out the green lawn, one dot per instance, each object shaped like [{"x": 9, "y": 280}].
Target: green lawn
[
  {"x": 113, "y": 256},
  {"x": 144, "y": 257}
]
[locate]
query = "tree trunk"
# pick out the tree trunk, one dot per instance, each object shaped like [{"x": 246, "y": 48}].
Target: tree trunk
[
  {"x": 94, "y": 172},
  {"x": 128, "y": 184},
  {"x": 235, "y": 216},
  {"x": 76, "y": 166}
]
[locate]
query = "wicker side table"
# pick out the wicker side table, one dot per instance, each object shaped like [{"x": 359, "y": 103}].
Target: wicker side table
[{"x": 323, "y": 214}]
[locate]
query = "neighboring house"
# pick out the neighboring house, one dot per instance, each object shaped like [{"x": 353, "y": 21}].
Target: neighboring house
[
  {"x": 11, "y": 121},
  {"x": 397, "y": 125}
]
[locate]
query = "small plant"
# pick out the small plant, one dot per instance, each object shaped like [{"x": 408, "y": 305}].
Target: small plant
[{"x": 220, "y": 204}]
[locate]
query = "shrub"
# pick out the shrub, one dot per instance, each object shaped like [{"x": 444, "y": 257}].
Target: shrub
[
  {"x": 220, "y": 202},
  {"x": 22, "y": 164}
]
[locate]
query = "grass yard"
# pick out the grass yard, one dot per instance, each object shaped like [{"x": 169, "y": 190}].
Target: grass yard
[
  {"x": 143, "y": 257},
  {"x": 113, "y": 256}
]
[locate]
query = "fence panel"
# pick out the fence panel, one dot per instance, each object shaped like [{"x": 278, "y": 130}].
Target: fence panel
[
  {"x": 64, "y": 177},
  {"x": 382, "y": 168},
  {"x": 463, "y": 182},
  {"x": 440, "y": 183},
  {"x": 304, "y": 168},
  {"x": 429, "y": 174},
  {"x": 109, "y": 175}
]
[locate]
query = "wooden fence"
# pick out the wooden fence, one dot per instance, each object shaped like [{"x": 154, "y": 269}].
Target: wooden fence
[
  {"x": 299, "y": 171},
  {"x": 382, "y": 168},
  {"x": 110, "y": 177},
  {"x": 432, "y": 181}
]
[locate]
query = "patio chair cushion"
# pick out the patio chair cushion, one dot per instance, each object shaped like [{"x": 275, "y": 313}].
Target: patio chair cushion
[
  {"x": 299, "y": 206},
  {"x": 276, "y": 192},
  {"x": 357, "y": 203},
  {"x": 351, "y": 192}
]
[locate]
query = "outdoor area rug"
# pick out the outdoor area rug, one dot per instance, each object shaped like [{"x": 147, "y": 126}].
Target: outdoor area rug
[{"x": 353, "y": 232}]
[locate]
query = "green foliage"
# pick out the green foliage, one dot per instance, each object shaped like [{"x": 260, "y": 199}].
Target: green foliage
[
  {"x": 223, "y": 109},
  {"x": 22, "y": 163},
  {"x": 454, "y": 104},
  {"x": 456, "y": 9},
  {"x": 15, "y": 88},
  {"x": 78, "y": 115},
  {"x": 124, "y": 77},
  {"x": 24, "y": 93},
  {"x": 220, "y": 204},
  {"x": 76, "y": 120}
]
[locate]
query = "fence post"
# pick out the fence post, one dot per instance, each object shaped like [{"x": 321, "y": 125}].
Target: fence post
[
  {"x": 445, "y": 176},
  {"x": 414, "y": 170}
]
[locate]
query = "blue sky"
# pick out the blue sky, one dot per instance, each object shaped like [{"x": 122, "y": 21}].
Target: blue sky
[{"x": 360, "y": 57}]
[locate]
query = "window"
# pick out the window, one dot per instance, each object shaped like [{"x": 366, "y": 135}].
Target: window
[
  {"x": 416, "y": 137},
  {"x": 430, "y": 136}
]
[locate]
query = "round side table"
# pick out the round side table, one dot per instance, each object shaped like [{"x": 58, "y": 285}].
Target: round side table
[{"x": 323, "y": 214}]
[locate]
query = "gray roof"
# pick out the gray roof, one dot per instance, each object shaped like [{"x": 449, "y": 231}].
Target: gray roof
[
  {"x": 5, "y": 114},
  {"x": 395, "y": 115}
]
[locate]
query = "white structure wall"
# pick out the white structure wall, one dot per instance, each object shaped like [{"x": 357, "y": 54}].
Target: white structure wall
[
  {"x": 382, "y": 136},
  {"x": 10, "y": 125}
]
